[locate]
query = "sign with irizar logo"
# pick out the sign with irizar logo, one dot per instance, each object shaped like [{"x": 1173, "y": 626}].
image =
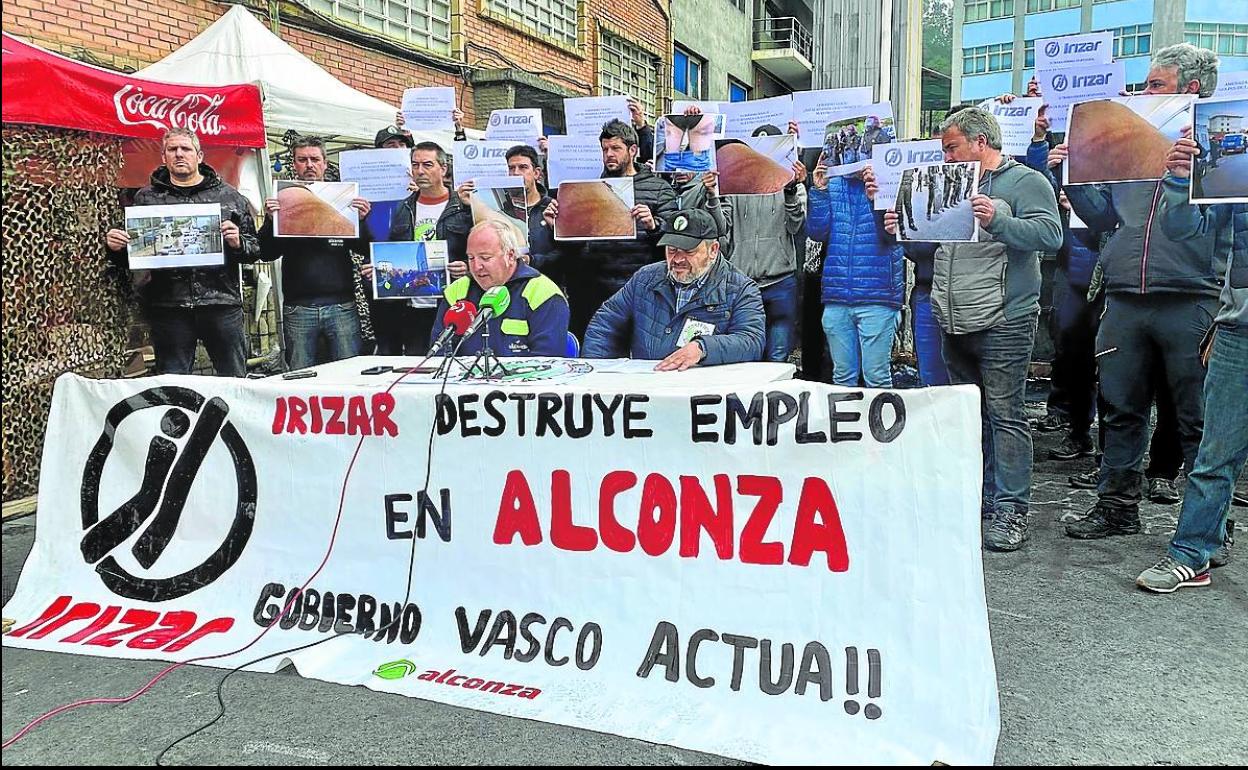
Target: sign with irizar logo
[{"x": 1075, "y": 50}]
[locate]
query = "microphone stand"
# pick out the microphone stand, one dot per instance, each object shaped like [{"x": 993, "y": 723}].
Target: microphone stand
[
  {"x": 490, "y": 366},
  {"x": 448, "y": 361}
]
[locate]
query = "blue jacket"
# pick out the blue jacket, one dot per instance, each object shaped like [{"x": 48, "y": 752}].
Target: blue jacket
[
  {"x": 534, "y": 324},
  {"x": 640, "y": 320},
  {"x": 863, "y": 265}
]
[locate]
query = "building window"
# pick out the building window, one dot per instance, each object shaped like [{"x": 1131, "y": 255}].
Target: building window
[
  {"x": 625, "y": 69},
  {"x": 1225, "y": 39},
  {"x": 978, "y": 10},
  {"x": 738, "y": 92},
  {"x": 423, "y": 23},
  {"x": 687, "y": 74},
  {"x": 1029, "y": 54},
  {"x": 988, "y": 58},
  {"x": 1136, "y": 40},
  {"x": 551, "y": 18},
  {"x": 1039, "y": 6}
]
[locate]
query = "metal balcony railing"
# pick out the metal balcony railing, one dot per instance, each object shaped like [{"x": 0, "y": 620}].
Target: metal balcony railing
[{"x": 775, "y": 32}]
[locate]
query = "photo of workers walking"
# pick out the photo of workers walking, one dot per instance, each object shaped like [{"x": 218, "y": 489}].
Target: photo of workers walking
[{"x": 934, "y": 203}]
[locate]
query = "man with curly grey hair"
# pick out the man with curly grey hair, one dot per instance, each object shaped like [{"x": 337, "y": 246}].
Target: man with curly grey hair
[{"x": 1161, "y": 297}]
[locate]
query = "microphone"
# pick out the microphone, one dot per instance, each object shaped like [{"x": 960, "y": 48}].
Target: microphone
[
  {"x": 494, "y": 303},
  {"x": 456, "y": 319}
]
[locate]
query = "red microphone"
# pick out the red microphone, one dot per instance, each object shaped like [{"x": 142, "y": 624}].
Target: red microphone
[{"x": 456, "y": 320}]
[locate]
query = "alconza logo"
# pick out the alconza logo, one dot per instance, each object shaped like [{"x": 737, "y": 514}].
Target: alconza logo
[
  {"x": 402, "y": 668},
  {"x": 197, "y": 112}
]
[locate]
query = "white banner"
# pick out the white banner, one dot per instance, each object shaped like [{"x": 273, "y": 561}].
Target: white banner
[
  {"x": 1232, "y": 84},
  {"x": 1061, "y": 88},
  {"x": 572, "y": 157},
  {"x": 768, "y": 116},
  {"x": 1017, "y": 120},
  {"x": 480, "y": 158},
  {"x": 428, "y": 109},
  {"x": 1073, "y": 50},
  {"x": 813, "y": 110},
  {"x": 383, "y": 175},
  {"x": 722, "y": 569},
  {"x": 586, "y": 115}
]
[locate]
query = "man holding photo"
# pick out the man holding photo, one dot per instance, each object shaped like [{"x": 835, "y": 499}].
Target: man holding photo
[
  {"x": 318, "y": 275},
  {"x": 188, "y": 305},
  {"x": 994, "y": 285}
]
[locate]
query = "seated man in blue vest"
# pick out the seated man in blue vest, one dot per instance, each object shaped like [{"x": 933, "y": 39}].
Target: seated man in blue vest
[
  {"x": 536, "y": 321},
  {"x": 692, "y": 308}
]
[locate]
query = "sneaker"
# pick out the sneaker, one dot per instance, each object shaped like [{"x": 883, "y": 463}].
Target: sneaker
[
  {"x": 1073, "y": 448},
  {"x": 1105, "y": 521},
  {"x": 1007, "y": 532},
  {"x": 1163, "y": 491},
  {"x": 1050, "y": 423},
  {"x": 1168, "y": 576},
  {"x": 1089, "y": 480},
  {"x": 1222, "y": 556}
]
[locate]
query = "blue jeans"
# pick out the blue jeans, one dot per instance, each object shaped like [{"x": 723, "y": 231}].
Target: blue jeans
[
  {"x": 306, "y": 325},
  {"x": 996, "y": 360},
  {"x": 780, "y": 306},
  {"x": 1223, "y": 451},
  {"x": 932, "y": 369},
  {"x": 860, "y": 338}
]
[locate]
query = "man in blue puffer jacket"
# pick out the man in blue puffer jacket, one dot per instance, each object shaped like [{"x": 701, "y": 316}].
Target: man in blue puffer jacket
[{"x": 863, "y": 278}]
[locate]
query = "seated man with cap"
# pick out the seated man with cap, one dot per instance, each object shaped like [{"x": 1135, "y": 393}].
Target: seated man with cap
[
  {"x": 692, "y": 308},
  {"x": 535, "y": 322}
]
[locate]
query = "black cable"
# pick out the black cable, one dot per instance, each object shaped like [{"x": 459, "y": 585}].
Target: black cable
[{"x": 407, "y": 593}]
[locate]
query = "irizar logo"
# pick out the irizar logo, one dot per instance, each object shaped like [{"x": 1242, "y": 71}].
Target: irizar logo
[
  {"x": 1088, "y": 81},
  {"x": 892, "y": 157},
  {"x": 395, "y": 669},
  {"x": 1061, "y": 83},
  {"x": 496, "y": 119},
  {"x": 1088, "y": 47},
  {"x": 1009, "y": 111},
  {"x": 472, "y": 151},
  {"x": 1053, "y": 48}
]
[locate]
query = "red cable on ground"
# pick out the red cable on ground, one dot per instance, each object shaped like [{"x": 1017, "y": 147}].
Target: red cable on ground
[{"x": 342, "y": 497}]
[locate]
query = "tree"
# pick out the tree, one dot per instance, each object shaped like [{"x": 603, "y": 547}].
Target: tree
[{"x": 938, "y": 35}]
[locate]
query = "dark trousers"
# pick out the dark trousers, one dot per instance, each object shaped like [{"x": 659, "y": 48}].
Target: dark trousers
[
  {"x": 905, "y": 210},
  {"x": 816, "y": 361},
  {"x": 175, "y": 330},
  {"x": 1141, "y": 337},
  {"x": 1074, "y": 364},
  {"x": 401, "y": 330}
]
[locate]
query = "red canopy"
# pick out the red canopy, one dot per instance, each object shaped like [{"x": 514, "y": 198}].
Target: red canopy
[{"x": 44, "y": 89}]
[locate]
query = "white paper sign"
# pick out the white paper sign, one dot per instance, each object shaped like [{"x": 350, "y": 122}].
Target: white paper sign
[
  {"x": 1061, "y": 88},
  {"x": 680, "y": 105},
  {"x": 1075, "y": 50},
  {"x": 608, "y": 578},
  {"x": 745, "y": 119},
  {"x": 515, "y": 126},
  {"x": 813, "y": 110},
  {"x": 585, "y": 115},
  {"x": 480, "y": 158},
  {"x": 1232, "y": 84},
  {"x": 572, "y": 157},
  {"x": 383, "y": 175},
  {"x": 1018, "y": 122},
  {"x": 889, "y": 160},
  {"x": 429, "y": 109}
]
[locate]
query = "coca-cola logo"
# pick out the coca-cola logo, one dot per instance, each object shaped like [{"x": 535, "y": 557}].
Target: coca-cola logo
[{"x": 197, "y": 112}]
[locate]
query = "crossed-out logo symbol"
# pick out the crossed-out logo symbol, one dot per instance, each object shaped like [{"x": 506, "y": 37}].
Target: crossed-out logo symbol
[
  {"x": 495, "y": 119},
  {"x": 1052, "y": 48},
  {"x": 1060, "y": 83},
  {"x": 169, "y": 472},
  {"x": 470, "y": 152},
  {"x": 892, "y": 157}
]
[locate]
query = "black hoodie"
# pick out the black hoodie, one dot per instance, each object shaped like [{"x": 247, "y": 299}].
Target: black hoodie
[{"x": 188, "y": 287}]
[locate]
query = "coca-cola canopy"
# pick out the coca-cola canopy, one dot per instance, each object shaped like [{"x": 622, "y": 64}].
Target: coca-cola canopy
[{"x": 45, "y": 89}]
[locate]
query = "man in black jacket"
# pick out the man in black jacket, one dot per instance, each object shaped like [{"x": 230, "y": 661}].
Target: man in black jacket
[
  {"x": 596, "y": 270},
  {"x": 431, "y": 212},
  {"x": 318, "y": 276},
  {"x": 189, "y": 304}
]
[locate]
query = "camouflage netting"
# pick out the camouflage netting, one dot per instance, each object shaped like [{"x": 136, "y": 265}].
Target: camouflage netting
[{"x": 65, "y": 308}]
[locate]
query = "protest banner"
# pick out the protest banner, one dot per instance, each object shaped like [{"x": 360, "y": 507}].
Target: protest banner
[
  {"x": 586, "y": 115},
  {"x": 316, "y": 210},
  {"x": 889, "y": 160},
  {"x": 176, "y": 235},
  {"x": 1075, "y": 50},
  {"x": 1063, "y": 87},
  {"x": 515, "y": 126},
  {"x": 382, "y": 175},
  {"x": 428, "y": 109},
  {"x": 572, "y": 157}
]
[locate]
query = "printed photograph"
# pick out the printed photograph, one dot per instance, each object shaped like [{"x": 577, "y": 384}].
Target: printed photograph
[
  {"x": 760, "y": 165},
  {"x": 847, "y": 143},
  {"x": 688, "y": 142},
  {"x": 503, "y": 200},
  {"x": 934, "y": 203},
  {"x": 596, "y": 209},
  {"x": 175, "y": 236},
  {"x": 409, "y": 269},
  {"x": 1125, "y": 139},
  {"x": 316, "y": 210},
  {"x": 1220, "y": 172}
]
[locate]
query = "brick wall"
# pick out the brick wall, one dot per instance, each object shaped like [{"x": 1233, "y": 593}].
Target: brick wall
[{"x": 128, "y": 34}]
